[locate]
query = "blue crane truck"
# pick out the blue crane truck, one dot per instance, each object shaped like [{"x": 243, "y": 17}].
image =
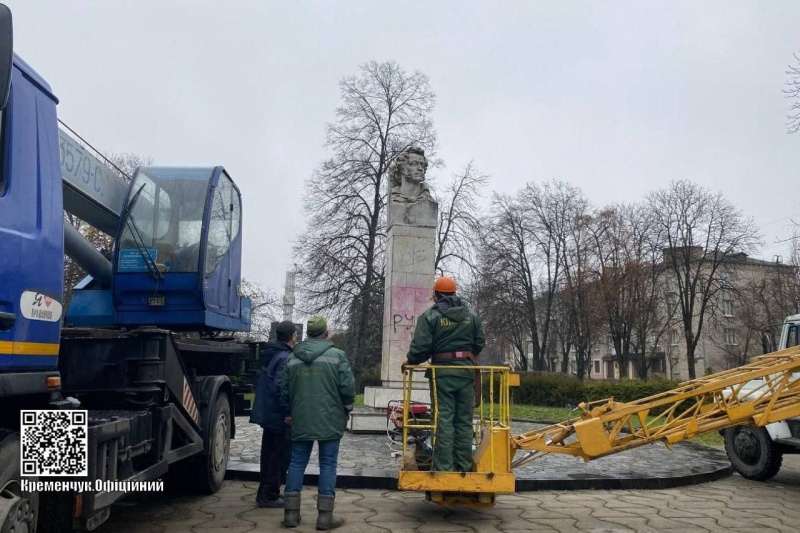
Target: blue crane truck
[{"x": 145, "y": 347}]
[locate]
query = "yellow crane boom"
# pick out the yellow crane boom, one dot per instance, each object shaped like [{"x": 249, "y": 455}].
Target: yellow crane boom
[{"x": 764, "y": 391}]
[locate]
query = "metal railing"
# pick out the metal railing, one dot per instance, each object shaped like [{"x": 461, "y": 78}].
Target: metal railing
[{"x": 493, "y": 407}]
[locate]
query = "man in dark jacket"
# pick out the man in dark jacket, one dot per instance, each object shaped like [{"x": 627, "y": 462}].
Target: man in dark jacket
[
  {"x": 317, "y": 394},
  {"x": 450, "y": 334},
  {"x": 276, "y": 444}
]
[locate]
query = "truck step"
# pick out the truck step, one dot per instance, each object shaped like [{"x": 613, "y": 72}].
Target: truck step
[{"x": 794, "y": 442}]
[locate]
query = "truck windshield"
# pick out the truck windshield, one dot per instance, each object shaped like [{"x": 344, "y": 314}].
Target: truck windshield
[{"x": 164, "y": 218}]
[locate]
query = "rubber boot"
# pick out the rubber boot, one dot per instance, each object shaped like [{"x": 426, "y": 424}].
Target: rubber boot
[
  {"x": 326, "y": 519},
  {"x": 291, "y": 509}
]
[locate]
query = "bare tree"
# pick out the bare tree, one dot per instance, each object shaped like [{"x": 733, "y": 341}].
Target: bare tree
[
  {"x": 632, "y": 285},
  {"x": 341, "y": 257},
  {"x": 581, "y": 290},
  {"x": 265, "y": 309},
  {"x": 564, "y": 331},
  {"x": 550, "y": 212},
  {"x": 503, "y": 344},
  {"x": 700, "y": 231},
  {"x": 613, "y": 242},
  {"x": 522, "y": 257},
  {"x": 507, "y": 276},
  {"x": 459, "y": 221},
  {"x": 793, "y": 91}
]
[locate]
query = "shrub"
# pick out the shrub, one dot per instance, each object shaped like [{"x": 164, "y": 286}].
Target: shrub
[
  {"x": 554, "y": 390},
  {"x": 561, "y": 390},
  {"x": 368, "y": 378}
]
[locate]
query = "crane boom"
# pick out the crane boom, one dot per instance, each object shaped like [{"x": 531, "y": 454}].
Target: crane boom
[
  {"x": 95, "y": 195},
  {"x": 764, "y": 391},
  {"x": 92, "y": 192}
]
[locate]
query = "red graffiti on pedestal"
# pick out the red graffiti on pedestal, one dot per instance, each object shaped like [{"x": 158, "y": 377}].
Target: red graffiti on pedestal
[{"x": 408, "y": 303}]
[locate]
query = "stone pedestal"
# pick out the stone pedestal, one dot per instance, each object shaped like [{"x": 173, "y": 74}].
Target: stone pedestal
[{"x": 410, "y": 252}]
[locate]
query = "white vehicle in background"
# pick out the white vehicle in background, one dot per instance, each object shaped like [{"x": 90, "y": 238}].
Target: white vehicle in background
[{"x": 757, "y": 452}]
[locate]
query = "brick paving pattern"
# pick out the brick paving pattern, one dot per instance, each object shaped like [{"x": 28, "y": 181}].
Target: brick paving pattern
[{"x": 729, "y": 504}]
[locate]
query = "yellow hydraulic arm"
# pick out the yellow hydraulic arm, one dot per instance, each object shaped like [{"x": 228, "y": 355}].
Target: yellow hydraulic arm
[{"x": 764, "y": 391}]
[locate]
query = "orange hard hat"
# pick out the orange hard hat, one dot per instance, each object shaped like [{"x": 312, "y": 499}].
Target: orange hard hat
[{"x": 445, "y": 284}]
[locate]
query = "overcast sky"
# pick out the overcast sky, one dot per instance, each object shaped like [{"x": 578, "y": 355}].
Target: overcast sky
[{"x": 618, "y": 98}]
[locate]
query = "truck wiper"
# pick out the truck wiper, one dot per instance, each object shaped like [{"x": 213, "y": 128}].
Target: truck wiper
[{"x": 137, "y": 237}]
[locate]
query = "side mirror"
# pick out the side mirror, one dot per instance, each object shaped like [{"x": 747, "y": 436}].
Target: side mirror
[
  {"x": 766, "y": 343},
  {"x": 6, "y": 54}
]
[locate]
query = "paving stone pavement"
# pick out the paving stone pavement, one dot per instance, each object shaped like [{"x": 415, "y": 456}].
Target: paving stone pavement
[
  {"x": 730, "y": 504},
  {"x": 363, "y": 459}
]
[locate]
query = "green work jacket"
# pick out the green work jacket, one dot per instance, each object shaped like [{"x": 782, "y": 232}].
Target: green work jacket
[
  {"x": 318, "y": 390},
  {"x": 448, "y": 326}
]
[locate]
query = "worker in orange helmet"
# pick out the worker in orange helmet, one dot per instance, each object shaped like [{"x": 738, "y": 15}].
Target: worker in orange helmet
[{"x": 450, "y": 334}]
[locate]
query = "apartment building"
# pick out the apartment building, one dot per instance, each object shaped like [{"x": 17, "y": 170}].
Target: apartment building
[{"x": 750, "y": 297}]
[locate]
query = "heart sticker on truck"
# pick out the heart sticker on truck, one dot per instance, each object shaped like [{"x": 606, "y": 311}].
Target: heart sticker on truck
[{"x": 38, "y": 306}]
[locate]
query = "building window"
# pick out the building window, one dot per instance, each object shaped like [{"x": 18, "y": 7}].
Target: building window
[
  {"x": 659, "y": 365},
  {"x": 597, "y": 367},
  {"x": 671, "y": 286},
  {"x": 672, "y": 306},
  {"x": 673, "y": 338},
  {"x": 654, "y": 340},
  {"x": 730, "y": 336},
  {"x": 727, "y": 307},
  {"x": 725, "y": 279}
]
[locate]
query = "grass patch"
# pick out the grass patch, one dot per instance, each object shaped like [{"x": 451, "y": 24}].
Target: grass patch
[
  {"x": 359, "y": 400},
  {"x": 712, "y": 438},
  {"x": 543, "y": 413}
]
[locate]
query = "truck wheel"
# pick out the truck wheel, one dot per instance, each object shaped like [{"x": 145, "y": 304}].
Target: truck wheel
[
  {"x": 55, "y": 512},
  {"x": 752, "y": 452},
  {"x": 213, "y": 465},
  {"x": 19, "y": 511}
]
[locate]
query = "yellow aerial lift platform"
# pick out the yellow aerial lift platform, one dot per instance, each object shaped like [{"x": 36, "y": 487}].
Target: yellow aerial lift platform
[{"x": 764, "y": 391}]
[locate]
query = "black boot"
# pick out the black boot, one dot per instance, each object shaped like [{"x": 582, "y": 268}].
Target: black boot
[
  {"x": 261, "y": 495},
  {"x": 291, "y": 509},
  {"x": 326, "y": 519}
]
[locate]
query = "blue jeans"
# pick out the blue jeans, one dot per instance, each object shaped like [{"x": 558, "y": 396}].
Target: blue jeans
[{"x": 328, "y": 456}]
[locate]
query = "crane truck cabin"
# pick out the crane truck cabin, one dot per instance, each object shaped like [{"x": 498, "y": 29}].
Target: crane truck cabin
[
  {"x": 178, "y": 243},
  {"x": 151, "y": 354}
]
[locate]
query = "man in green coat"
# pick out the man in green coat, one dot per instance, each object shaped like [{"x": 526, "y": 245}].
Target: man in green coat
[
  {"x": 450, "y": 334},
  {"x": 316, "y": 397}
]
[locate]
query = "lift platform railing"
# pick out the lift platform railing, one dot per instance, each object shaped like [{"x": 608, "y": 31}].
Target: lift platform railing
[
  {"x": 491, "y": 468},
  {"x": 764, "y": 391}
]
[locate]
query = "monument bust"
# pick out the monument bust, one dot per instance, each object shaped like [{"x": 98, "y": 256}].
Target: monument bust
[
  {"x": 410, "y": 200},
  {"x": 407, "y": 176}
]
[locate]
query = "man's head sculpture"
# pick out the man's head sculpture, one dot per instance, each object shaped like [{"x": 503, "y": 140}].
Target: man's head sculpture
[{"x": 407, "y": 174}]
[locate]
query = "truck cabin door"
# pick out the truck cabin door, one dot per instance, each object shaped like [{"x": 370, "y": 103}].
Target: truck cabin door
[{"x": 222, "y": 272}]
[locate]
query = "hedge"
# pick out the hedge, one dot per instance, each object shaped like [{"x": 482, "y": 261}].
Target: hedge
[{"x": 562, "y": 390}]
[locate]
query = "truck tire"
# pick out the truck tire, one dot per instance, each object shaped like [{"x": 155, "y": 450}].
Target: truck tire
[
  {"x": 213, "y": 464},
  {"x": 55, "y": 512},
  {"x": 20, "y": 510},
  {"x": 752, "y": 452}
]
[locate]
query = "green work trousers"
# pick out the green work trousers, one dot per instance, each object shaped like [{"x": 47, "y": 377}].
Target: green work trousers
[{"x": 455, "y": 399}]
